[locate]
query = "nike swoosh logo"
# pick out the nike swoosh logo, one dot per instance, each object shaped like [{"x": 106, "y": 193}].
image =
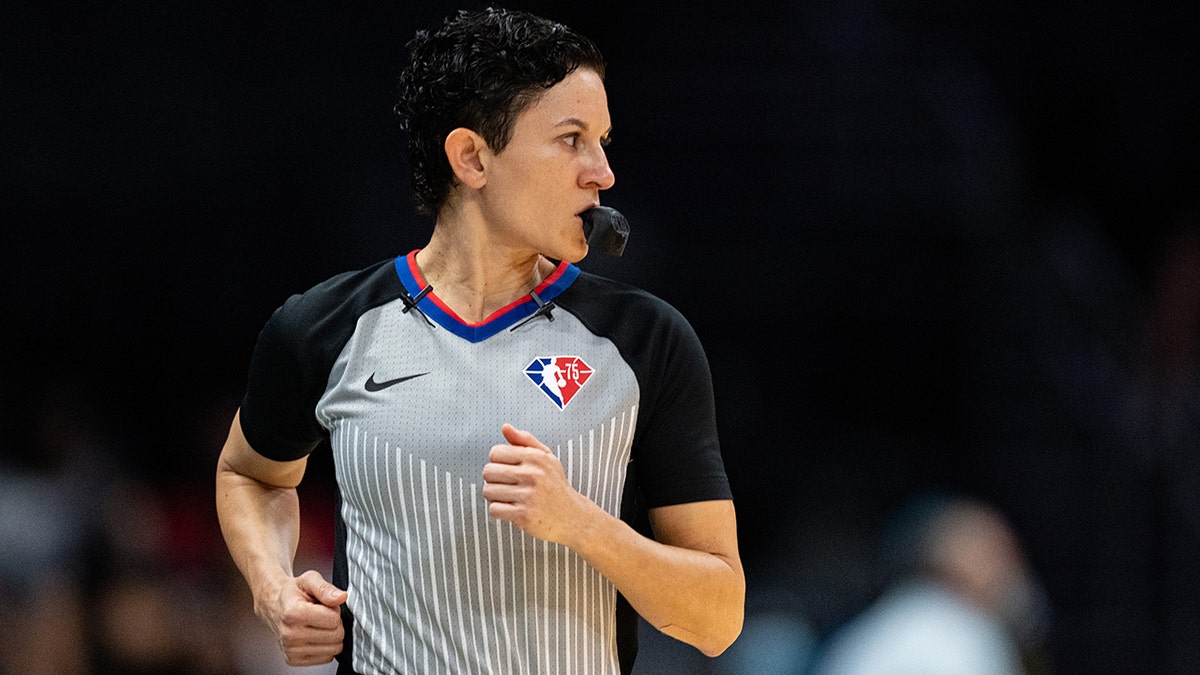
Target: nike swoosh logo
[{"x": 372, "y": 385}]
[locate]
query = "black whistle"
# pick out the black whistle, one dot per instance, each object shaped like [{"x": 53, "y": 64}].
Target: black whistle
[{"x": 606, "y": 230}]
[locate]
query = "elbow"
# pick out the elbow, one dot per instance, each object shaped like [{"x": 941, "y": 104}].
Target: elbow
[
  {"x": 721, "y": 627},
  {"x": 724, "y": 631},
  {"x": 711, "y": 643},
  {"x": 715, "y": 644}
]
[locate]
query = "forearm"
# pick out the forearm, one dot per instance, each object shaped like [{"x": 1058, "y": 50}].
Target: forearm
[
  {"x": 692, "y": 595},
  {"x": 261, "y": 526},
  {"x": 687, "y": 581}
]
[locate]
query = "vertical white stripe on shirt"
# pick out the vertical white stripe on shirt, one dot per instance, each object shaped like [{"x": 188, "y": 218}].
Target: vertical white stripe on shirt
[{"x": 452, "y": 574}]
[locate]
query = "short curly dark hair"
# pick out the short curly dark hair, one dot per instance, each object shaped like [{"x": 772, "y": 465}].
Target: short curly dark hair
[{"x": 479, "y": 72}]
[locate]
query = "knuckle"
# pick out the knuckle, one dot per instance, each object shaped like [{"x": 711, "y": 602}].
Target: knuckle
[
  {"x": 299, "y": 659},
  {"x": 288, "y": 639},
  {"x": 289, "y": 619}
]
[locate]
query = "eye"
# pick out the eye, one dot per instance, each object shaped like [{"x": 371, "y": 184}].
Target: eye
[{"x": 571, "y": 139}]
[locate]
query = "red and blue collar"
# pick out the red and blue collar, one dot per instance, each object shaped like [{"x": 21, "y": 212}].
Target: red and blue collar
[{"x": 505, "y": 317}]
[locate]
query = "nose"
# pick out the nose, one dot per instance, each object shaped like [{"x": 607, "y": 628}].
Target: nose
[{"x": 597, "y": 174}]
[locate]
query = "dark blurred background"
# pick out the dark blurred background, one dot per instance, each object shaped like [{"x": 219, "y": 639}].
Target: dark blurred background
[{"x": 932, "y": 246}]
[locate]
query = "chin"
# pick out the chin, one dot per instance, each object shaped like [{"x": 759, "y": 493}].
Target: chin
[
  {"x": 580, "y": 253},
  {"x": 575, "y": 259},
  {"x": 573, "y": 253}
]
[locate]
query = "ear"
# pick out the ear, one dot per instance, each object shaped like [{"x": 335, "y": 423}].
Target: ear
[{"x": 465, "y": 150}]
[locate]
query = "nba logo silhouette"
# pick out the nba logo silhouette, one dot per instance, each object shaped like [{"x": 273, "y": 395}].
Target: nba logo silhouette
[{"x": 559, "y": 377}]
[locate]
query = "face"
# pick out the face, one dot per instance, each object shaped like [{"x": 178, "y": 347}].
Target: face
[{"x": 552, "y": 169}]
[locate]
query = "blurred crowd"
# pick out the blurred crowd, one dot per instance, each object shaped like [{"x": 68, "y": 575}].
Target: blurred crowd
[
  {"x": 948, "y": 591},
  {"x": 105, "y": 571}
]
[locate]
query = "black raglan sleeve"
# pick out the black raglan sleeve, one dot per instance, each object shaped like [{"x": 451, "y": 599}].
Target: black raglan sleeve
[
  {"x": 295, "y": 352},
  {"x": 285, "y": 381},
  {"x": 676, "y": 447}
]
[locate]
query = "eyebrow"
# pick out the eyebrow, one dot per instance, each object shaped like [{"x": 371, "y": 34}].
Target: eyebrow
[{"x": 575, "y": 121}]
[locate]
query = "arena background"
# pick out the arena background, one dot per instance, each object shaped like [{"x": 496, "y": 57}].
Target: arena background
[{"x": 928, "y": 246}]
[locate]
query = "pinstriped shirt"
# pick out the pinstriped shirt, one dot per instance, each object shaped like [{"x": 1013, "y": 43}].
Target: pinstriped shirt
[{"x": 411, "y": 398}]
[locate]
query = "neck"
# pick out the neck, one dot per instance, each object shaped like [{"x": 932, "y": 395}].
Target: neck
[{"x": 475, "y": 275}]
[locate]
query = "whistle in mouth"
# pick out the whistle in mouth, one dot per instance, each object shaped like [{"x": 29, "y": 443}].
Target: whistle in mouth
[{"x": 606, "y": 230}]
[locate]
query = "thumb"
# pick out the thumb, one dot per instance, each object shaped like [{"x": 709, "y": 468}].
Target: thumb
[
  {"x": 322, "y": 591},
  {"x": 516, "y": 436}
]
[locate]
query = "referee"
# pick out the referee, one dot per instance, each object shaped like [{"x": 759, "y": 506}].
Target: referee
[{"x": 494, "y": 413}]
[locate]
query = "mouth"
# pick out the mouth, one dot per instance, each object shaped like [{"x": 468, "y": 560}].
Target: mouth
[
  {"x": 586, "y": 221},
  {"x": 583, "y": 216}
]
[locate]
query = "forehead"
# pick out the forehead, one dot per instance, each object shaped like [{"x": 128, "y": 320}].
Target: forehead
[{"x": 580, "y": 96}]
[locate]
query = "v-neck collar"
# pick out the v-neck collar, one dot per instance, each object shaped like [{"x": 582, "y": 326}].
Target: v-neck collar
[{"x": 505, "y": 317}]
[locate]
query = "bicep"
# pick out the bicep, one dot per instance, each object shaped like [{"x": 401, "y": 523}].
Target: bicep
[
  {"x": 708, "y": 526},
  {"x": 237, "y": 457}
]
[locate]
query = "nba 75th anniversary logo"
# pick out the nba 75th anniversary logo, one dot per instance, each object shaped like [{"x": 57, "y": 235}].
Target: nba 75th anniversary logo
[{"x": 559, "y": 377}]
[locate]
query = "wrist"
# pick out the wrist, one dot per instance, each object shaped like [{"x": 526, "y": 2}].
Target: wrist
[
  {"x": 593, "y": 528},
  {"x": 266, "y": 595}
]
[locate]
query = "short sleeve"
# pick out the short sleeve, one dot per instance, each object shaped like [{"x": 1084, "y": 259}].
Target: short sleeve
[
  {"x": 282, "y": 389},
  {"x": 677, "y": 449}
]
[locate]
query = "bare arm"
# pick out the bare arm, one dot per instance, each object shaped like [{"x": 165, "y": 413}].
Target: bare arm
[
  {"x": 687, "y": 582},
  {"x": 259, "y": 512}
]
